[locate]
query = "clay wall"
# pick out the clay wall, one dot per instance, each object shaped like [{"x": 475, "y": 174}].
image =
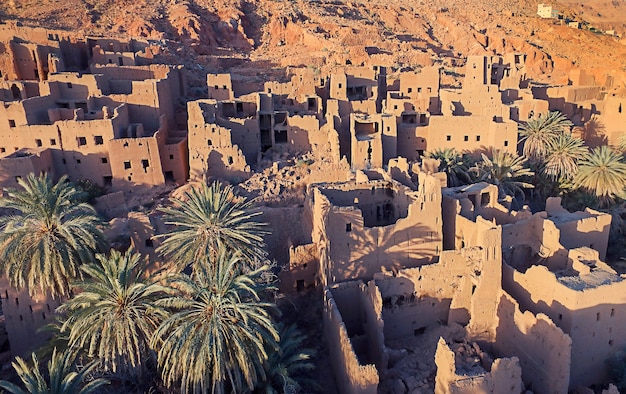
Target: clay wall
[
  {"x": 387, "y": 228},
  {"x": 352, "y": 375},
  {"x": 609, "y": 123},
  {"x": 21, "y": 163},
  {"x": 23, "y": 316},
  {"x": 135, "y": 161},
  {"x": 470, "y": 133},
  {"x": 461, "y": 287},
  {"x": 175, "y": 160},
  {"x": 211, "y": 151},
  {"x": 220, "y": 87},
  {"x": 455, "y": 377},
  {"x": 585, "y": 306},
  {"x": 589, "y": 228},
  {"x": 108, "y": 55},
  {"x": 542, "y": 348},
  {"x": 301, "y": 271},
  {"x": 533, "y": 240}
]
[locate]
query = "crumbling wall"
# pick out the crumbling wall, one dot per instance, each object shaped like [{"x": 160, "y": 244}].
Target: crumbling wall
[
  {"x": 381, "y": 234},
  {"x": 577, "y": 229},
  {"x": 543, "y": 350},
  {"x": 587, "y": 306},
  {"x": 352, "y": 376},
  {"x": 301, "y": 271},
  {"x": 464, "y": 373}
]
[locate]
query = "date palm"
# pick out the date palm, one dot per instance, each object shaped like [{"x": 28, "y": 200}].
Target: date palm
[
  {"x": 603, "y": 174},
  {"x": 564, "y": 153},
  {"x": 216, "y": 340},
  {"x": 208, "y": 218},
  {"x": 455, "y": 166},
  {"x": 63, "y": 377},
  {"x": 47, "y": 235},
  {"x": 115, "y": 314},
  {"x": 285, "y": 362},
  {"x": 538, "y": 133},
  {"x": 505, "y": 170}
]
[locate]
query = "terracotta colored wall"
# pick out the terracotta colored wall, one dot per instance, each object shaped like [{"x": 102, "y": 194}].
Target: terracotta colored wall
[{"x": 351, "y": 376}]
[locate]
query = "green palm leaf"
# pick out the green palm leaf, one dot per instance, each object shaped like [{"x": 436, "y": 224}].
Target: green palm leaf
[
  {"x": 63, "y": 377},
  {"x": 217, "y": 339},
  {"x": 505, "y": 170},
  {"x": 47, "y": 235},
  {"x": 211, "y": 217},
  {"x": 538, "y": 133},
  {"x": 564, "y": 153},
  {"x": 603, "y": 173},
  {"x": 115, "y": 314},
  {"x": 285, "y": 362}
]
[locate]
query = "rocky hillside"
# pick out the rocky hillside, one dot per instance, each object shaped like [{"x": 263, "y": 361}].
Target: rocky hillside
[{"x": 256, "y": 37}]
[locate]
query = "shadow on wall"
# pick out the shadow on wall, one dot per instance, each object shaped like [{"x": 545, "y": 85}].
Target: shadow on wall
[
  {"x": 394, "y": 249},
  {"x": 593, "y": 132}
]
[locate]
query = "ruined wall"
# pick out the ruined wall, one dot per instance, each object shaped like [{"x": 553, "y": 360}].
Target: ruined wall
[
  {"x": 542, "y": 348},
  {"x": 577, "y": 229},
  {"x": 453, "y": 377},
  {"x": 586, "y": 306},
  {"x": 351, "y": 375},
  {"x": 392, "y": 228},
  {"x": 211, "y": 151},
  {"x": 21, "y": 163},
  {"x": 23, "y": 316}
]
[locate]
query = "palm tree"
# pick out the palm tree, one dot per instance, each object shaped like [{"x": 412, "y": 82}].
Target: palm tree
[
  {"x": 505, "y": 170},
  {"x": 539, "y": 132},
  {"x": 564, "y": 153},
  {"x": 603, "y": 173},
  {"x": 217, "y": 339},
  {"x": 115, "y": 314},
  {"x": 63, "y": 379},
  {"x": 47, "y": 235},
  {"x": 285, "y": 362},
  {"x": 210, "y": 217},
  {"x": 455, "y": 166}
]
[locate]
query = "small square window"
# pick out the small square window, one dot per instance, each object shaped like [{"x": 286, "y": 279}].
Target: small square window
[
  {"x": 2, "y": 150},
  {"x": 466, "y": 138},
  {"x": 448, "y": 138},
  {"x": 506, "y": 143},
  {"x": 53, "y": 142},
  {"x": 409, "y": 90},
  {"x": 69, "y": 85},
  {"x": 38, "y": 142},
  {"x": 145, "y": 163},
  {"x": 81, "y": 141},
  {"x": 63, "y": 160},
  {"x": 348, "y": 227},
  {"x": 477, "y": 138},
  {"x": 419, "y": 90},
  {"x": 77, "y": 161},
  {"x": 171, "y": 157},
  {"x": 149, "y": 243},
  {"x": 11, "y": 123},
  {"x": 104, "y": 160},
  {"x": 339, "y": 86},
  {"x": 127, "y": 165},
  {"x": 98, "y": 140}
]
